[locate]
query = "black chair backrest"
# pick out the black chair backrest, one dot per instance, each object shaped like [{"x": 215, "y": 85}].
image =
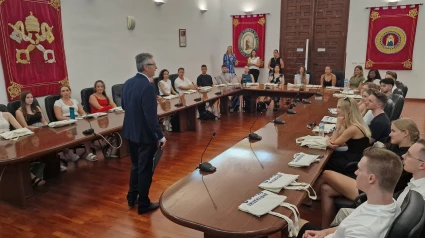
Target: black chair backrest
[
  {"x": 15, "y": 105},
  {"x": 398, "y": 107},
  {"x": 49, "y": 103},
  {"x": 173, "y": 77},
  {"x": 405, "y": 89},
  {"x": 116, "y": 94},
  {"x": 3, "y": 108},
  {"x": 389, "y": 108},
  {"x": 410, "y": 222},
  {"x": 85, "y": 96},
  {"x": 155, "y": 83},
  {"x": 340, "y": 76}
]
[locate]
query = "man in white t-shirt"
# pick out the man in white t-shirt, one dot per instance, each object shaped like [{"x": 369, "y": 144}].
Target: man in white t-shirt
[
  {"x": 377, "y": 175},
  {"x": 183, "y": 84}
]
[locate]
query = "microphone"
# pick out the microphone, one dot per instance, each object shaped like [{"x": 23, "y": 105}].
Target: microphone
[
  {"x": 91, "y": 130},
  {"x": 205, "y": 166},
  {"x": 180, "y": 104},
  {"x": 254, "y": 136},
  {"x": 197, "y": 99}
]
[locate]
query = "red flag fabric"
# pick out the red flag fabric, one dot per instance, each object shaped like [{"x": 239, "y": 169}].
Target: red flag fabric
[
  {"x": 391, "y": 37},
  {"x": 32, "y": 51},
  {"x": 249, "y": 33}
]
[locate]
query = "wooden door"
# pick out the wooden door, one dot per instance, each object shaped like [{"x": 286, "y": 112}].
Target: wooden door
[
  {"x": 330, "y": 37},
  {"x": 325, "y": 24},
  {"x": 296, "y": 27}
]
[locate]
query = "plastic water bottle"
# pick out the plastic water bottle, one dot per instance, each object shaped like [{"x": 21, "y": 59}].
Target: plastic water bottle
[
  {"x": 322, "y": 129},
  {"x": 345, "y": 83},
  {"x": 71, "y": 113}
]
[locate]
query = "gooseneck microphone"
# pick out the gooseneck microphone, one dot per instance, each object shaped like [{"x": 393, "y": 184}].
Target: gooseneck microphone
[
  {"x": 254, "y": 136},
  {"x": 180, "y": 104},
  {"x": 197, "y": 99},
  {"x": 205, "y": 166}
]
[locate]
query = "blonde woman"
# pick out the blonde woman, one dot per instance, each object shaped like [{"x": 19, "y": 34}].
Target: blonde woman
[
  {"x": 357, "y": 80},
  {"x": 404, "y": 133},
  {"x": 229, "y": 59},
  {"x": 352, "y": 131},
  {"x": 302, "y": 77}
]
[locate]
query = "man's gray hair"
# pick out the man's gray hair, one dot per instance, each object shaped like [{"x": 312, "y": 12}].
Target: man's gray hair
[{"x": 142, "y": 60}]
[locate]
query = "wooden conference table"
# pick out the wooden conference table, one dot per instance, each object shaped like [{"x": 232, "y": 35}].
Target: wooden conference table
[
  {"x": 209, "y": 202},
  {"x": 15, "y": 156}
]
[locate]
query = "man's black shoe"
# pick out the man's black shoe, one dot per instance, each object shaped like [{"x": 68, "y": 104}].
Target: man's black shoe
[{"x": 151, "y": 207}]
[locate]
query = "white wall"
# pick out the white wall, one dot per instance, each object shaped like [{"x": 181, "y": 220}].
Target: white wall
[
  {"x": 358, "y": 26},
  {"x": 99, "y": 46},
  {"x": 237, "y": 7}
]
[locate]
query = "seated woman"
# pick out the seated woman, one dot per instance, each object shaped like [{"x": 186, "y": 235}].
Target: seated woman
[
  {"x": 277, "y": 78},
  {"x": 302, "y": 77},
  {"x": 404, "y": 133},
  {"x": 328, "y": 78},
  {"x": 29, "y": 115},
  {"x": 363, "y": 102},
  {"x": 7, "y": 119},
  {"x": 164, "y": 84},
  {"x": 373, "y": 77},
  {"x": 99, "y": 102},
  {"x": 62, "y": 112},
  {"x": 357, "y": 80},
  {"x": 350, "y": 130}
]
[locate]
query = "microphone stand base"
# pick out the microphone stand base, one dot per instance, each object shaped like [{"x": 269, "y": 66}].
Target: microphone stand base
[
  {"x": 197, "y": 99},
  {"x": 218, "y": 93},
  {"x": 207, "y": 167},
  {"x": 179, "y": 105},
  {"x": 291, "y": 111},
  {"x": 254, "y": 136},
  {"x": 279, "y": 121}
]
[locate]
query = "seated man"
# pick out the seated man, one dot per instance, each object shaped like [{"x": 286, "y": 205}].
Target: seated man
[
  {"x": 225, "y": 78},
  {"x": 415, "y": 154},
  {"x": 203, "y": 80},
  {"x": 388, "y": 88},
  {"x": 183, "y": 84},
  {"x": 393, "y": 75},
  {"x": 380, "y": 126},
  {"x": 377, "y": 175}
]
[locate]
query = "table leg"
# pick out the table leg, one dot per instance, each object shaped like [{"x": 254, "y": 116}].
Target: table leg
[
  {"x": 224, "y": 105},
  {"x": 253, "y": 104},
  {"x": 15, "y": 184},
  {"x": 187, "y": 119}
]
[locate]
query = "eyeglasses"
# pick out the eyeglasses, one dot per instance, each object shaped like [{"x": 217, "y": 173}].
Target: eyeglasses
[
  {"x": 151, "y": 64},
  {"x": 347, "y": 99},
  {"x": 409, "y": 155}
]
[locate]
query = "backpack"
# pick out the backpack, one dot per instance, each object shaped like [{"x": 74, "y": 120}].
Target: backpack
[
  {"x": 207, "y": 115},
  {"x": 261, "y": 106}
]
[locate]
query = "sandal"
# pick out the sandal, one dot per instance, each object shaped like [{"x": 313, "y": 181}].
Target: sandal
[
  {"x": 91, "y": 157},
  {"x": 37, "y": 182}
]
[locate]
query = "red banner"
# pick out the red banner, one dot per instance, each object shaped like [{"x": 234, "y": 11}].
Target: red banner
[
  {"x": 391, "y": 37},
  {"x": 249, "y": 33},
  {"x": 32, "y": 52}
]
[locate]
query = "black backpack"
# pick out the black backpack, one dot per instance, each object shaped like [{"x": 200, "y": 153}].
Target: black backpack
[
  {"x": 261, "y": 106},
  {"x": 207, "y": 115}
]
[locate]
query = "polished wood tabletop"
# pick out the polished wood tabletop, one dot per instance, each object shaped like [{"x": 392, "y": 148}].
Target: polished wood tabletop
[{"x": 209, "y": 202}]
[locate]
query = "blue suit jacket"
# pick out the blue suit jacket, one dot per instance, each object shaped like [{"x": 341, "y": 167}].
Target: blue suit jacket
[{"x": 140, "y": 120}]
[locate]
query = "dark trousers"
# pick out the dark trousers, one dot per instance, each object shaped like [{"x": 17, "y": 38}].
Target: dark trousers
[
  {"x": 255, "y": 73},
  {"x": 141, "y": 172}
]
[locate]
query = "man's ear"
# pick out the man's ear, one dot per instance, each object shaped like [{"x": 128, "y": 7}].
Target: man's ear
[
  {"x": 372, "y": 178},
  {"x": 422, "y": 165}
]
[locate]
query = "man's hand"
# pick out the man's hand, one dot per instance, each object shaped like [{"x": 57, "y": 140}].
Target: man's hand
[
  {"x": 314, "y": 234},
  {"x": 161, "y": 144}
]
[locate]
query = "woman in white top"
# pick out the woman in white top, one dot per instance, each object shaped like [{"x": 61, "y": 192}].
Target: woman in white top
[
  {"x": 62, "y": 111},
  {"x": 6, "y": 119},
  {"x": 302, "y": 77},
  {"x": 254, "y": 63},
  {"x": 164, "y": 84}
]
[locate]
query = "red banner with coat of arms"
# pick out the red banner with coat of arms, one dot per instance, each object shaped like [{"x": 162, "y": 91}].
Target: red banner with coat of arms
[
  {"x": 31, "y": 47},
  {"x": 249, "y": 33},
  {"x": 391, "y": 37}
]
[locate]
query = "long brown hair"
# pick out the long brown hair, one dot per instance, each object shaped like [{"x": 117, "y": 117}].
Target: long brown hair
[
  {"x": 104, "y": 91},
  {"x": 34, "y": 108},
  {"x": 303, "y": 76}
]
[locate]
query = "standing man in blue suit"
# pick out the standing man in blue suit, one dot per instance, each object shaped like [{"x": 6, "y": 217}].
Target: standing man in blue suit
[{"x": 141, "y": 129}]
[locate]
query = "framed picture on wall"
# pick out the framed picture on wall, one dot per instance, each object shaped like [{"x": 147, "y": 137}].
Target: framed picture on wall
[{"x": 182, "y": 38}]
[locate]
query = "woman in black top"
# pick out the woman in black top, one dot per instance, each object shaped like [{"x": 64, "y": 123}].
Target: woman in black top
[
  {"x": 276, "y": 60},
  {"x": 328, "y": 78},
  {"x": 29, "y": 115},
  {"x": 373, "y": 75},
  {"x": 404, "y": 133}
]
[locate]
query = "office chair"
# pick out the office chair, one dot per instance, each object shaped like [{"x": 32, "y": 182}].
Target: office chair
[
  {"x": 49, "y": 103},
  {"x": 411, "y": 220},
  {"x": 398, "y": 107},
  {"x": 85, "y": 96},
  {"x": 3, "y": 108},
  {"x": 116, "y": 94},
  {"x": 173, "y": 78},
  {"x": 340, "y": 76},
  {"x": 389, "y": 108}
]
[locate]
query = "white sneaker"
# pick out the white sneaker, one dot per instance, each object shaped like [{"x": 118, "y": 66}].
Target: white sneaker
[
  {"x": 72, "y": 156},
  {"x": 91, "y": 157},
  {"x": 63, "y": 168}
]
